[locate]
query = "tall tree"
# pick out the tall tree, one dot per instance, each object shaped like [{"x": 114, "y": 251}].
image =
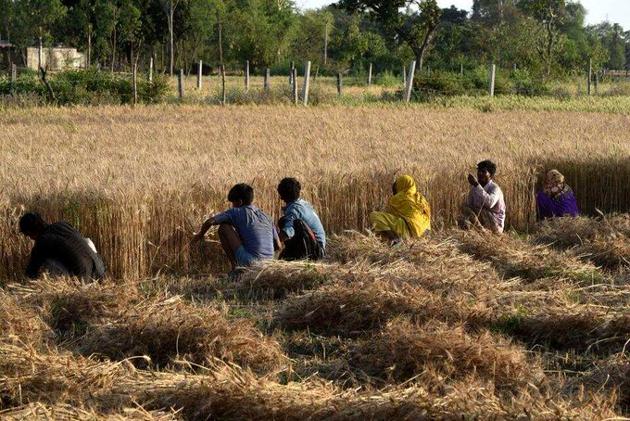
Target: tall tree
[
  {"x": 550, "y": 14},
  {"x": 412, "y": 21}
]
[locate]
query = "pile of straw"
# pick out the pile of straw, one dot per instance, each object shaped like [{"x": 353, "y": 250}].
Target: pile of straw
[
  {"x": 171, "y": 330},
  {"x": 275, "y": 279},
  {"x": 604, "y": 241},
  {"x": 350, "y": 309},
  {"x": 70, "y": 306},
  {"x": 435, "y": 263},
  {"x": 517, "y": 258},
  {"x": 21, "y": 323},
  {"x": 580, "y": 328},
  {"x": 40, "y": 411},
  {"x": 436, "y": 352}
]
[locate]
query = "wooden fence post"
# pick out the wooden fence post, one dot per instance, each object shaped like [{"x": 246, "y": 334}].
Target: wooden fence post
[
  {"x": 307, "y": 81},
  {"x": 404, "y": 76},
  {"x": 369, "y": 81},
  {"x": 180, "y": 83},
  {"x": 39, "y": 54},
  {"x": 291, "y": 78},
  {"x": 461, "y": 69},
  {"x": 151, "y": 69},
  {"x": 246, "y": 75},
  {"x": 267, "y": 80},
  {"x": 199, "y": 74},
  {"x": 134, "y": 81},
  {"x": 339, "y": 84},
  {"x": 409, "y": 87},
  {"x": 590, "y": 76},
  {"x": 223, "y": 94},
  {"x": 294, "y": 87},
  {"x": 13, "y": 73},
  {"x": 493, "y": 72}
]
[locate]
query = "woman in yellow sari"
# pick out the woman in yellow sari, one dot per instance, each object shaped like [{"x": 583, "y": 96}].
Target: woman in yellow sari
[{"x": 407, "y": 215}]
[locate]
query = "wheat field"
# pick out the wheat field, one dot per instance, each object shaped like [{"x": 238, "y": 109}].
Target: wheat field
[{"x": 534, "y": 324}]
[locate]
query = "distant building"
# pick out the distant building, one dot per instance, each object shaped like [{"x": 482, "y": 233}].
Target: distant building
[{"x": 55, "y": 58}]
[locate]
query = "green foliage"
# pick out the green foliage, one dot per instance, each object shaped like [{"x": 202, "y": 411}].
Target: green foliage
[
  {"x": 476, "y": 82},
  {"x": 87, "y": 87}
]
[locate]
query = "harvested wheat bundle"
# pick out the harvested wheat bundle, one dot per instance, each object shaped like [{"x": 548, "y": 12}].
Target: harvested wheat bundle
[
  {"x": 435, "y": 351},
  {"x": 51, "y": 378},
  {"x": 69, "y": 306},
  {"x": 233, "y": 394},
  {"x": 580, "y": 328},
  {"x": 64, "y": 412},
  {"x": 19, "y": 322},
  {"x": 173, "y": 330},
  {"x": 275, "y": 279},
  {"x": 340, "y": 309},
  {"x": 604, "y": 241},
  {"x": 517, "y": 258},
  {"x": 438, "y": 264},
  {"x": 569, "y": 232}
]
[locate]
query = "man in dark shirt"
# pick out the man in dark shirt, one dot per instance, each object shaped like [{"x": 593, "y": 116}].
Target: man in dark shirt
[{"x": 59, "y": 250}]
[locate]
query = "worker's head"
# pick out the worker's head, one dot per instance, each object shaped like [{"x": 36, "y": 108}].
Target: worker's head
[
  {"x": 32, "y": 225},
  {"x": 241, "y": 195},
  {"x": 486, "y": 171},
  {"x": 289, "y": 189}
]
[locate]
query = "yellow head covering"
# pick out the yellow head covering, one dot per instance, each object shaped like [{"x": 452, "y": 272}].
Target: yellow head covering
[{"x": 410, "y": 205}]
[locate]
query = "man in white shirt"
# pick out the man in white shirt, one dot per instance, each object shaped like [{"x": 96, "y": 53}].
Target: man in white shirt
[{"x": 485, "y": 206}]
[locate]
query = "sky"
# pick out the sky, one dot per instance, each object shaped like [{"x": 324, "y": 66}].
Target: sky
[{"x": 615, "y": 11}]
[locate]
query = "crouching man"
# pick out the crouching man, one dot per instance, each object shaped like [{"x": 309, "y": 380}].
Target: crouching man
[
  {"x": 60, "y": 250},
  {"x": 301, "y": 230},
  {"x": 246, "y": 233}
]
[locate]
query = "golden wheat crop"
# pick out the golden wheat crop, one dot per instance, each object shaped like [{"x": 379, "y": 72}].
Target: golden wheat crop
[{"x": 138, "y": 181}]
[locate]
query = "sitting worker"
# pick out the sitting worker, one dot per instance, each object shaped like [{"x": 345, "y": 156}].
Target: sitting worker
[
  {"x": 246, "y": 233},
  {"x": 485, "y": 206},
  {"x": 556, "y": 199},
  {"x": 301, "y": 231},
  {"x": 60, "y": 250},
  {"x": 407, "y": 215}
]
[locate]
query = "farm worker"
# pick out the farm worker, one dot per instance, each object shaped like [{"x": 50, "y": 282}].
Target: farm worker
[
  {"x": 246, "y": 233},
  {"x": 60, "y": 250},
  {"x": 301, "y": 230},
  {"x": 407, "y": 215},
  {"x": 556, "y": 199},
  {"x": 485, "y": 206}
]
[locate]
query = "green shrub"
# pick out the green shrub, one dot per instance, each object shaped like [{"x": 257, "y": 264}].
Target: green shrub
[
  {"x": 87, "y": 87},
  {"x": 525, "y": 84},
  {"x": 388, "y": 79}
]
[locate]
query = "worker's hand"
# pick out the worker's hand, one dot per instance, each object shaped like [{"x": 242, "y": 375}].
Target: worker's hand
[
  {"x": 472, "y": 180},
  {"x": 196, "y": 237}
]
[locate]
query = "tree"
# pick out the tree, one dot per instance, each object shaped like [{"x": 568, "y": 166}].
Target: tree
[
  {"x": 169, "y": 7},
  {"x": 550, "y": 14},
  {"x": 415, "y": 28},
  {"x": 36, "y": 18}
]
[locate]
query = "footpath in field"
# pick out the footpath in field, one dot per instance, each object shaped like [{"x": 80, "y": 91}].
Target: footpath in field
[{"x": 456, "y": 325}]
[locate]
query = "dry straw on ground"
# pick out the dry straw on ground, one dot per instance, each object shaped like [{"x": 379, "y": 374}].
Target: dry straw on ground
[
  {"x": 435, "y": 353},
  {"x": 171, "y": 331}
]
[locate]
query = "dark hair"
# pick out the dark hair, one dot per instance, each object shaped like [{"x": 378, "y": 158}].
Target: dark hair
[
  {"x": 243, "y": 192},
  {"x": 32, "y": 223},
  {"x": 487, "y": 165},
  {"x": 289, "y": 189}
]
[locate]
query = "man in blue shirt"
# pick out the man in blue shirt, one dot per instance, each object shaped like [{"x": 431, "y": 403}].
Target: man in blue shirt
[
  {"x": 301, "y": 230},
  {"x": 246, "y": 233}
]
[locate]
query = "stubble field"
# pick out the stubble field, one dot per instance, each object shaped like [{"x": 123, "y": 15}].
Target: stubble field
[{"x": 535, "y": 323}]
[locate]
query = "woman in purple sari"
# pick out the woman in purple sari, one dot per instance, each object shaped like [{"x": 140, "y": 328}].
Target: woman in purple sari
[{"x": 556, "y": 199}]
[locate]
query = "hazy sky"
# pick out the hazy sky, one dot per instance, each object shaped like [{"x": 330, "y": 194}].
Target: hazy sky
[{"x": 616, "y": 11}]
